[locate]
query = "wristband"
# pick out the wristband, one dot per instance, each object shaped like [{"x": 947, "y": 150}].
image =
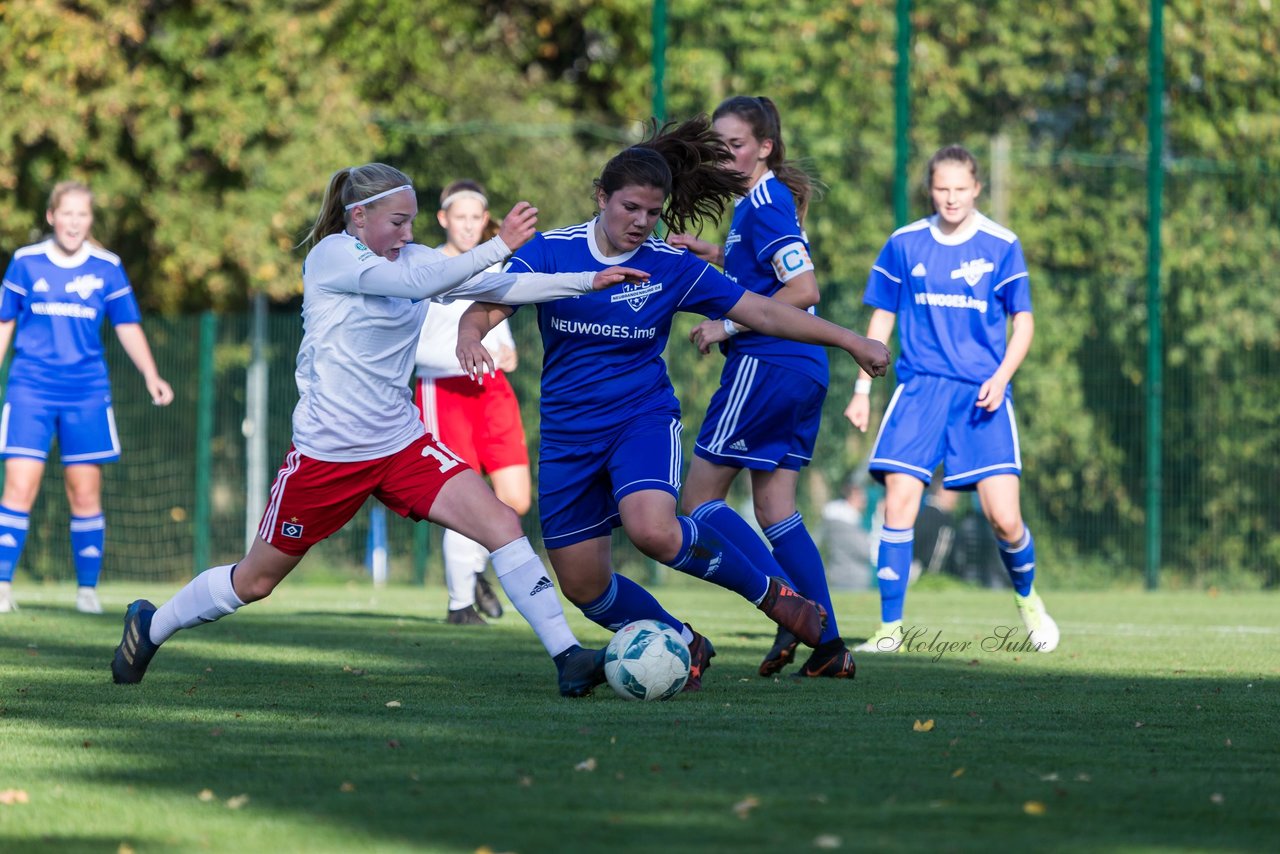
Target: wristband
[
  {"x": 729, "y": 328},
  {"x": 862, "y": 387}
]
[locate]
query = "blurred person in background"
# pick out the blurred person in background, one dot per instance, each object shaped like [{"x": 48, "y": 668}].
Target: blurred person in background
[{"x": 846, "y": 537}]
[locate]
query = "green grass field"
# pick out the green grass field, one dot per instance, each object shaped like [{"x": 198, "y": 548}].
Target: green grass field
[{"x": 340, "y": 718}]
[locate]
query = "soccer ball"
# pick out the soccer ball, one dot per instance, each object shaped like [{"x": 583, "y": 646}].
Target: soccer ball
[{"x": 647, "y": 660}]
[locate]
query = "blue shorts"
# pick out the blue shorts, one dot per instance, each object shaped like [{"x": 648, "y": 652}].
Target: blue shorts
[
  {"x": 581, "y": 483},
  {"x": 763, "y": 417},
  {"x": 933, "y": 420},
  {"x": 86, "y": 431}
]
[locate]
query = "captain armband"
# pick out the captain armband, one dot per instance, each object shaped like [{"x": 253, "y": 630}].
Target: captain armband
[{"x": 791, "y": 260}]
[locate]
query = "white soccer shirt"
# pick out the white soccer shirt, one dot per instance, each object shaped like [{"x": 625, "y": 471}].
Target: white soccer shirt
[{"x": 361, "y": 316}]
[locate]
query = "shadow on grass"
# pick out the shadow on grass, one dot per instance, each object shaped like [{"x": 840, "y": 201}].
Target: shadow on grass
[{"x": 403, "y": 731}]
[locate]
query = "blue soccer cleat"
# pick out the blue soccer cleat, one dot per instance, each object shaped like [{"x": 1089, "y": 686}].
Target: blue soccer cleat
[
  {"x": 136, "y": 649},
  {"x": 579, "y": 670}
]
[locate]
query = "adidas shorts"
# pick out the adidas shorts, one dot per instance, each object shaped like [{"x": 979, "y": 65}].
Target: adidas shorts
[
  {"x": 581, "y": 483},
  {"x": 762, "y": 417},
  {"x": 311, "y": 499},
  {"x": 932, "y": 420},
  {"x": 86, "y": 431}
]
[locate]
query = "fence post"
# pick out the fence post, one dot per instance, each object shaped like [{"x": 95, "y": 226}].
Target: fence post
[
  {"x": 901, "y": 114},
  {"x": 1155, "y": 330},
  {"x": 255, "y": 423},
  {"x": 205, "y": 394}
]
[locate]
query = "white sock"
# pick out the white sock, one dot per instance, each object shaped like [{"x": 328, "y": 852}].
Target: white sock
[
  {"x": 207, "y": 597},
  {"x": 463, "y": 558},
  {"x": 528, "y": 585}
]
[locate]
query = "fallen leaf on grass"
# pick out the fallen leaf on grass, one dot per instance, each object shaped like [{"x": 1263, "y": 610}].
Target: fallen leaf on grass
[
  {"x": 525, "y": 782},
  {"x": 1083, "y": 778},
  {"x": 1033, "y": 808},
  {"x": 742, "y": 809},
  {"x": 959, "y": 772},
  {"x": 9, "y": 797},
  {"x": 826, "y": 840},
  {"x": 588, "y": 764},
  {"x": 1049, "y": 778},
  {"x": 394, "y": 704},
  {"x": 392, "y": 743},
  {"x": 1217, "y": 798},
  {"x": 922, "y": 727},
  {"x": 88, "y": 743},
  {"x": 237, "y": 802},
  {"x": 1138, "y": 724},
  {"x": 347, "y": 786},
  {"x": 206, "y": 795}
]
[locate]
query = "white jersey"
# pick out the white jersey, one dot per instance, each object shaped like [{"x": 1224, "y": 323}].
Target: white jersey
[
  {"x": 361, "y": 317},
  {"x": 437, "y": 356}
]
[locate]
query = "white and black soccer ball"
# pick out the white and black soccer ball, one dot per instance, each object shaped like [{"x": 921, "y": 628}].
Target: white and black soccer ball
[{"x": 647, "y": 660}]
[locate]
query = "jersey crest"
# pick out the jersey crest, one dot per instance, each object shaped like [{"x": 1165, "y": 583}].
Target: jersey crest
[
  {"x": 636, "y": 294},
  {"x": 973, "y": 271},
  {"x": 83, "y": 286}
]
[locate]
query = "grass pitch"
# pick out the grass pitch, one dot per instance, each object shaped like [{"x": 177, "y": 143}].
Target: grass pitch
[{"x": 337, "y": 718}]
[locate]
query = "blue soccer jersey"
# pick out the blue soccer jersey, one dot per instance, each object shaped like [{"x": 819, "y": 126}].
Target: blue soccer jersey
[
  {"x": 59, "y": 302},
  {"x": 953, "y": 295},
  {"x": 603, "y": 351},
  {"x": 765, "y": 249}
]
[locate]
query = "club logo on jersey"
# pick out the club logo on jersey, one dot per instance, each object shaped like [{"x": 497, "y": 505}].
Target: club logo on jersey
[
  {"x": 973, "y": 271},
  {"x": 636, "y": 295},
  {"x": 731, "y": 241},
  {"x": 919, "y": 270},
  {"x": 83, "y": 286},
  {"x": 40, "y": 287},
  {"x": 291, "y": 528}
]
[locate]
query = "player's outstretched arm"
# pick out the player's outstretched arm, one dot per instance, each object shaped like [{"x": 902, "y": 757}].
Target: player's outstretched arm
[
  {"x": 476, "y": 322},
  {"x": 775, "y": 318},
  {"x": 859, "y": 409},
  {"x": 800, "y": 291},
  {"x": 134, "y": 342}
]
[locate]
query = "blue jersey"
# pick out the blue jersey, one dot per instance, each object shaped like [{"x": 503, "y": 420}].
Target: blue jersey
[
  {"x": 603, "y": 351},
  {"x": 766, "y": 248},
  {"x": 59, "y": 302},
  {"x": 953, "y": 295}
]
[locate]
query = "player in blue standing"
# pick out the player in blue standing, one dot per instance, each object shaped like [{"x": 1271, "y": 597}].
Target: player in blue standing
[
  {"x": 955, "y": 282},
  {"x": 610, "y": 438},
  {"x": 765, "y": 415},
  {"x": 356, "y": 433},
  {"x": 56, "y": 293}
]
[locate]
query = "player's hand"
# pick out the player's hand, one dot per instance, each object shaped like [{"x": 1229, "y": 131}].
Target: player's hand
[
  {"x": 991, "y": 395},
  {"x": 505, "y": 359},
  {"x": 859, "y": 411},
  {"x": 707, "y": 333},
  {"x": 872, "y": 356},
  {"x": 611, "y": 276},
  {"x": 709, "y": 252},
  {"x": 519, "y": 225},
  {"x": 160, "y": 391},
  {"x": 474, "y": 358}
]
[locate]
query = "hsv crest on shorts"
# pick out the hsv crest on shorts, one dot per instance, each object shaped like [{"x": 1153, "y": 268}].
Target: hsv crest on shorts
[{"x": 291, "y": 528}]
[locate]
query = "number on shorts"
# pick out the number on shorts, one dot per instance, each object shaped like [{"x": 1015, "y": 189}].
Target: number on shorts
[{"x": 441, "y": 455}]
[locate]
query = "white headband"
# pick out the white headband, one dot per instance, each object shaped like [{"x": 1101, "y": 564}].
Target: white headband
[
  {"x": 381, "y": 195},
  {"x": 463, "y": 194}
]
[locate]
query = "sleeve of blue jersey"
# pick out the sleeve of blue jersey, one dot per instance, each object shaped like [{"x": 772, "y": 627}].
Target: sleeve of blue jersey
[
  {"x": 775, "y": 226},
  {"x": 1015, "y": 293},
  {"x": 122, "y": 307},
  {"x": 532, "y": 258},
  {"x": 11, "y": 299},
  {"x": 884, "y": 283}
]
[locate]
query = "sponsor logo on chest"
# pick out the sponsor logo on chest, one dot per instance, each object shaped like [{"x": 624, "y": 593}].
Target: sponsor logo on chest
[{"x": 973, "y": 271}]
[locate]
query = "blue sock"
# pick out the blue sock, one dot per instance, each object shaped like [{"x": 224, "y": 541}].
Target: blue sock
[
  {"x": 624, "y": 602},
  {"x": 799, "y": 555},
  {"x": 707, "y": 554},
  {"x": 88, "y": 534},
  {"x": 1020, "y": 561},
  {"x": 731, "y": 526},
  {"x": 13, "y": 535},
  {"x": 894, "y": 570}
]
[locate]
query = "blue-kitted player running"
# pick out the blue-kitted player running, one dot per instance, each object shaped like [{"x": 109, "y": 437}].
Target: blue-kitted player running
[
  {"x": 955, "y": 281},
  {"x": 56, "y": 293},
  {"x": 610, "y": 439}
]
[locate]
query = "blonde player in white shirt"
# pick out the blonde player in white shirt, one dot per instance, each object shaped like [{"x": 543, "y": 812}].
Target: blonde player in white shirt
[
  {"x": 366, "y": 287},
  {"x": 480, "y": 422}
]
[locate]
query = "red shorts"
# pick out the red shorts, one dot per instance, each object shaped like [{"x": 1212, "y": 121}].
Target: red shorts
[
  {"x": 311, "y": 499},
  {"x": 480, "y": 422}
]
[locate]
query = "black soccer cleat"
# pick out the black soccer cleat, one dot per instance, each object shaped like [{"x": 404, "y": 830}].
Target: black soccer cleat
[
  {"x": 486, "y": 600},
  {"x": 579, "y": 671},
  {"x": 700, "y": 654},
  {"x": 782, "y": 653},
  {"x": 831, "y": 660},
  {"x": 136, "y": 649},
  {"x": 802, "y": 617}
]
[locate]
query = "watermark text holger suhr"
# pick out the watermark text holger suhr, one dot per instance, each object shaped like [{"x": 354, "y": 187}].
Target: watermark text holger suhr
[{"x": 1004, "y": 639}]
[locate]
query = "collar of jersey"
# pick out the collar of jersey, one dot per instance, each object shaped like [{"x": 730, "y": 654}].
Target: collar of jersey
[
  {"x": 608, "y": 260},
  {"x": 768, "y": 173},
  {"x": 66, "y": 262},
  {"x": 956, "y": 238}
]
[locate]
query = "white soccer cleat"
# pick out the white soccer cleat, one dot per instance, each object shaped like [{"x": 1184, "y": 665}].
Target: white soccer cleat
[
  {"x": 7, "y": 605},
  {"x": 887, "y": 638},
  {"x": 87, "y": 601},
  {"x": 1041, "y": 629}
]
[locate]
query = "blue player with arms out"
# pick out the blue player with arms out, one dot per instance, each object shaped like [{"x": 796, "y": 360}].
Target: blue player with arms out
[
  {"x": 955, "y": 282},
  {"x": 56, "y": 293},
  {"x": 356, "y": 432},
  {"x": 610, "y": 450},
  {"x": 765, "y": 415}
]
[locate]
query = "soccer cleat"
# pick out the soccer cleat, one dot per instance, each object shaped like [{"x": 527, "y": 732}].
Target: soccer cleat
[
  {"x": 87, "y": 601},
  {"x": 1041, "y": 629},
  {"x": 803, "y": 618},
  {"x": 833, "y": 663},
  {"x": 7, "y": 605},
  {"x": 486, "y": 600},
  {"x": 782, "y": 653},
  {"x": 467, "y": 616},
  {"x": 887, "y": 638},
  {"x": 700, "y": 654},
  {"x": 136, "y": 649},
  {"x": 579, "y": 671}
]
